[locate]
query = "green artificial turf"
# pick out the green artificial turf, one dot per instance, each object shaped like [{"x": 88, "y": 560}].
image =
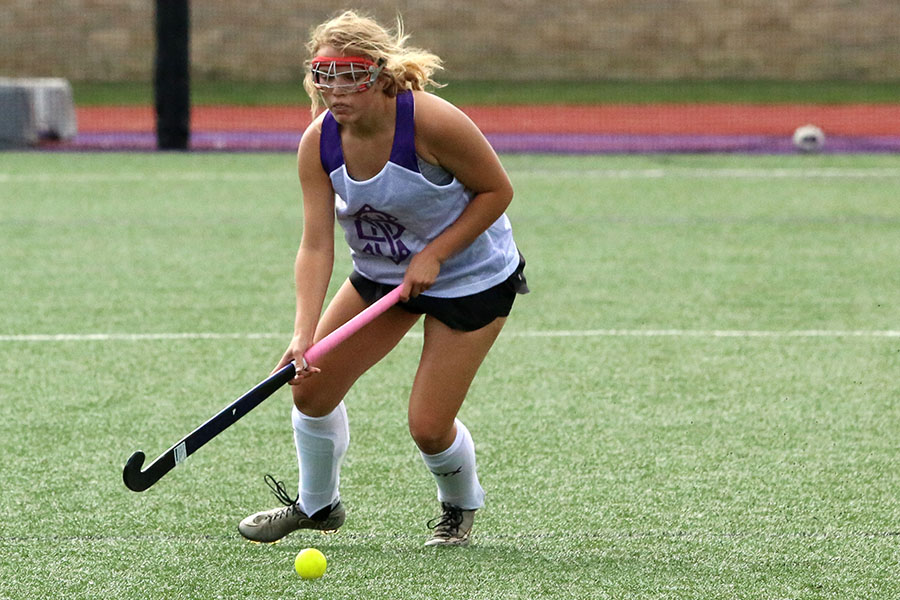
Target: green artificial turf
[{"x": 697, "y": 400}]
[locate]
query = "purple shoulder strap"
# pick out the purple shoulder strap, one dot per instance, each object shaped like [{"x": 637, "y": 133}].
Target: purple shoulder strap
[
  {"x": 330, "y": 152},
  {"x": 403, "y": 152}
]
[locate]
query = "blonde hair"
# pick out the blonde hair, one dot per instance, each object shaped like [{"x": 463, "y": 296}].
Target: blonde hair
[{"x": 405, "y": 68}]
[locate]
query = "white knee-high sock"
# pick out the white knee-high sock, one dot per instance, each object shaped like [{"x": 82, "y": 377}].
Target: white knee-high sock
[
  {"x": 455, "y": 473},
  {"x": 321, "y": 445}
]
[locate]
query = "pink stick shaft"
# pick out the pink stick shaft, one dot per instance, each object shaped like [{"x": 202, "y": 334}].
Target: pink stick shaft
[{"x": 330, "y": 341}]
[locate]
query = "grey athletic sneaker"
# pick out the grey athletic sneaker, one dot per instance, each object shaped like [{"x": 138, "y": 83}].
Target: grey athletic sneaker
[
  {"x": 452, "y": 528},
  {"x": 271, "y": 525}
]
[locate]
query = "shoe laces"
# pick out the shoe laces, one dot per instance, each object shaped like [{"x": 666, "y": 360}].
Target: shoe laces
[
  {"x": 280, "y": 491},
  {"x": 448, "y": 522}
]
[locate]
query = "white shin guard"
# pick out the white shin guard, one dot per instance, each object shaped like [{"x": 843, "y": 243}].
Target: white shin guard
[
  {"x": 455, "y": 473},
  {"x": 321, "y": 445}
]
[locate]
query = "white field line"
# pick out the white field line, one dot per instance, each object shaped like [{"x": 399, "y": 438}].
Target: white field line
[
  {"x": 712, "y": 173},
  {"x": 559, "y": 333},
  {"x": 708, "y": 333},
  {"x": 658, "y": 173},
  {"x": 135, "y": 177},
  {"x": 136, "y": 337}
]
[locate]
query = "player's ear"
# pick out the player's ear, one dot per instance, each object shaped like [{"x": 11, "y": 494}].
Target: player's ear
[{"x": 385, "y": 83}]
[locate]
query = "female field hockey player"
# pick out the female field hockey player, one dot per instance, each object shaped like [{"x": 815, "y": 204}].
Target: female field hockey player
[{"x": 420, "y": 195}]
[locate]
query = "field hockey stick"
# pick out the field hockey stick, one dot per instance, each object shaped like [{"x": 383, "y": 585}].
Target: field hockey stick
[{"x": 137, "y": 480}]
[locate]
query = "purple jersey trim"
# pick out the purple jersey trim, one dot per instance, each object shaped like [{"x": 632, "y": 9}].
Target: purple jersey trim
[
  {"x": 330, "y": 152},
  {"x": 403, "y": 151}
]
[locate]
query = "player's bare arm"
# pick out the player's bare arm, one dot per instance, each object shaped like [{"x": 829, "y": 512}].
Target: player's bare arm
[
  {"x": 315, "y": 257},
  {"x": 447, "y": 137}
]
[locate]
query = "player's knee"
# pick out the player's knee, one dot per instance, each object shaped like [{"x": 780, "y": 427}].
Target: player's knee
[
  {"x": 430, "y": 437},
  {"x": 310, "y": 403}
]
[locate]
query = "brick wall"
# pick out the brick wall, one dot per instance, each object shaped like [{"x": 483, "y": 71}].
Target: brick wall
[{"x": 479, "y": 39}]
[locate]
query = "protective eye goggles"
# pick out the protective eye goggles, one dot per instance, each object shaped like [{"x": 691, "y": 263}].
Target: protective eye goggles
[{"x": 344, "y": 74}]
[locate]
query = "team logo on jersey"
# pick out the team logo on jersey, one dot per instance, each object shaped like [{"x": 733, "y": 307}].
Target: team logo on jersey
[{"x": 380, "y": 233}]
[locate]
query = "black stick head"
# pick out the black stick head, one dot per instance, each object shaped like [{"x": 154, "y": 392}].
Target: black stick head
[{"x": 131, "y": 474}]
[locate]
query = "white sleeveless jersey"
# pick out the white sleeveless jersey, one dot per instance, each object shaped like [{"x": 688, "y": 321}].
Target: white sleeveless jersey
[{"x": 392, "y": 216}]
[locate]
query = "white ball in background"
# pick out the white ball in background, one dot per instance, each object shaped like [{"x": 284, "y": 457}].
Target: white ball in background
[{"x": 809, "y": 138}]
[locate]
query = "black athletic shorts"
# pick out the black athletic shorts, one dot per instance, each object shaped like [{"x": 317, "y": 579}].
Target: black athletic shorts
[{"x": 466, "y": 313}]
